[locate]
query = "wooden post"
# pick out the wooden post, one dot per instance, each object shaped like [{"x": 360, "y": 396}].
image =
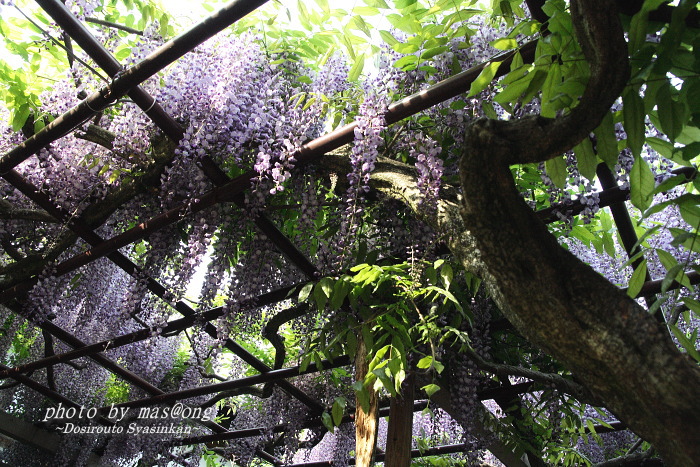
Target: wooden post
[
  {"x": 400, "y": 431},
  {"x": 365, "y": 422}
]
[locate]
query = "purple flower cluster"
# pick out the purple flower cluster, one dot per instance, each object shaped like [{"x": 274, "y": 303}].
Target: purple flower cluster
[
  {"x": 83, "y": 8},
  {"x": 45, "y": 295},
  {"x": 425, "y": 151},
  {"x": 368, "y": 138},
  {"x": 332, "y": 79}
]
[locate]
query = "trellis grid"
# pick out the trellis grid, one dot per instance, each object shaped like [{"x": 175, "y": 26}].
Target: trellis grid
[{"x": 126, "y": 82}]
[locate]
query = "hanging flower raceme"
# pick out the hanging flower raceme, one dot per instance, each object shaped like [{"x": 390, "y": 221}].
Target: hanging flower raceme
[
  {"x": 368, "y": 139},
  {"x": 426, "y": 153}
]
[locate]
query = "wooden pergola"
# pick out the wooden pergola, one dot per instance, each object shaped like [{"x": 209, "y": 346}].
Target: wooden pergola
[{"x": 126, "y": 82}]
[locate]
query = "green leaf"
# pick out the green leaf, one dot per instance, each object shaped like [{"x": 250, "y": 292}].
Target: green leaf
[
  {"x": 661, "y": 146},
  {"x": 690, "y": 151},
  {"x": 430, "y": 53},
  {"x": 550, "y": 104},
  {"x": 583, "y": 234},
  {"x": 556, "y": 170},
  {"x": 384, "y": 380},
  {"x": 20, "y": 117},
  {"x": 327, "y": 421},
  {"x": 692, "y": 304},
  {"x": 633, "y": 112},
  {"x": 514, "y": 90},
  {"x": 348, "y": 45},
  {"x": 439, "y": 367},
  {"x": 642, "y": 184},
  {"x": 388, "y": 38},
  {"x": 675, "y": 274},
  {"x": 303, "y": 15},
  {"x": 305, "y": 291},
  {"x": 686, "y": 343},
  {"x": 425, "y": 362},
  {"x": 669, "y": 184},
  {"x": 362, "y": 394},
  {"x": 638, "y": 30},
  {"x": 407, "y": 63},
  {"x": 320, "y": 297},
  {"x": 406, "y": 48},
  {"x": 338, "y": 410},
  {"x": 690, "y": 209},
  {"x": 340, "y": 292},
  {"x": 667, "y": 259},
  {"x": 360, "y": 24},
  {"x": 586, "y": 159},
  {"x": 484, "y": 78},
  {"x": 446, "y": 274},
  {"x": 377, "y": 361},
  {"x": 504, "y": 44},
  {"x": 403, "y": 3},
  {"x": 431, "y": 389},
  {"x": 364, "y": 11},
  {"x": 324, "y": 5},
  {"x": 672, "y": 114},
  {"x": 405, "y": 23},
  {"x": 122, "y": 53},
  {"x": 637, "y": 279},
  {"x": 606, "y": 142},
  {"x": 327, "y": 286},
  {"x": 376, "y": 3}
]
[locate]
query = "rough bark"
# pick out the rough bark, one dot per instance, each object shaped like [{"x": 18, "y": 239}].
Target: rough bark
[
  {"x": 606, "y": 339},
  {"x": 365, "y": 420},
  {"x": 622, "y": 356},
  {"x": 400, "y": 430}
]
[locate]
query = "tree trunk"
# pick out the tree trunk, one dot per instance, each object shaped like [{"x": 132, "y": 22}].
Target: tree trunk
[
  {"x": 619, "y": 352},
  {"x": 365, "y": 420},
  {"x": 400, "y": 431}
]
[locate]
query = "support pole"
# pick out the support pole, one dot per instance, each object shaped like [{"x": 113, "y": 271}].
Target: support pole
[{"x": 400, "y": 432}]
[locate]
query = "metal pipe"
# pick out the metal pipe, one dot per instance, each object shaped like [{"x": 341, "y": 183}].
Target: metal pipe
[
  {"x": 83, "y": 37},
  {"x": 270, "y": 376},
  {"x": 155, "y": 287},
  {"x": 173, "y": 327},
  {"x": 172, "y": 128}
]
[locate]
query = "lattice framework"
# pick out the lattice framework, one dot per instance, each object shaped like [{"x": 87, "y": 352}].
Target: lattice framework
[{"x": 126, "y": 82}]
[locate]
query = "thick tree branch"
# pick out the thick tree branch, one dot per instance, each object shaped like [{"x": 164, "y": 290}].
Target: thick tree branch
[
  {"x": 605, "y": 338},
  {"x": 535, "y": 138},
  {"x": 643, "y": 459},
  {"x": 9, "y": 211},
  {"x": 109, "y": 24},
  {"x": 502, "y": 450},
  {"x": 251, "y": 391},
  {"x": 563, "y": 384},
  {"x": 98, "y": 135},
  {"x": 10, "y": 250}
]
